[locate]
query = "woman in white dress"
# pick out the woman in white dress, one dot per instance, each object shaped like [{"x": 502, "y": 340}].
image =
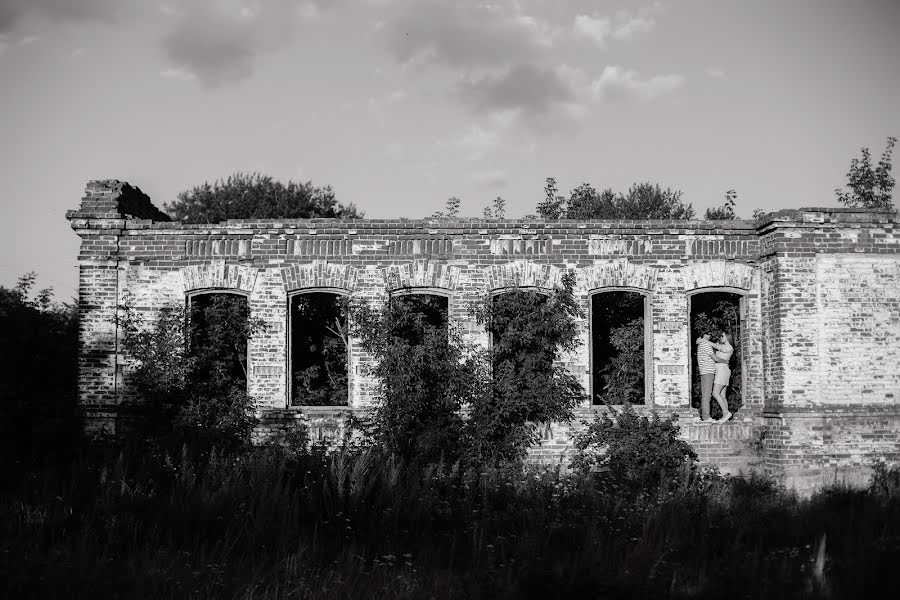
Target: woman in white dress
[{"x": 724, "y": 349}]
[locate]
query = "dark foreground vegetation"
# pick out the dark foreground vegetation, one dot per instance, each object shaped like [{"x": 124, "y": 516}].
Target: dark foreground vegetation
[{"x": 271, "y": 522}]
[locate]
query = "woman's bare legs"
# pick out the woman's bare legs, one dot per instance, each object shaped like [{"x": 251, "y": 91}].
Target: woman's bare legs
[{"x": 719, "y": 395}]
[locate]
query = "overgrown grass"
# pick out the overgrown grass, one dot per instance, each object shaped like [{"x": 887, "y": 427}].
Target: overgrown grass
[{"x": 271, "y": 523}]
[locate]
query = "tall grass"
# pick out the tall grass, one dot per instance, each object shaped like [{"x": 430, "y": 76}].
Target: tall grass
[{"x": 272, "y": 523}]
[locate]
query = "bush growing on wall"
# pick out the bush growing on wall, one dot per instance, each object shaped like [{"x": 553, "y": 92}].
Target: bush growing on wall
[
  {"x": 430, "y": 378},
  {"x": 635, "y": 453},
  {"x": 189, "y": 369},
  {"x": 426, "y": 375},
  {"x": 624, "y": 371},
  {"x": 529, "y": 332}
]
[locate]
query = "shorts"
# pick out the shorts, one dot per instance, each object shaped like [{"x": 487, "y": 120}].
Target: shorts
[{"x": 723, "y": 374}]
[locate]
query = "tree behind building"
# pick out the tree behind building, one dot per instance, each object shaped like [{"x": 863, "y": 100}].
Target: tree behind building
[
  {"x": 642, "y": 201},
  {"x": 257, "y": 196},
  {"x": 869, "y": 187}
]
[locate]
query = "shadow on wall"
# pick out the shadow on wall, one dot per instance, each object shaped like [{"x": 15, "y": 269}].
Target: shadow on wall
[{"x": 135, "y": 203}]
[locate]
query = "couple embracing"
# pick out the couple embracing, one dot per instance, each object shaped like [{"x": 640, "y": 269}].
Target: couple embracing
[{"x": 712, "y": 363}]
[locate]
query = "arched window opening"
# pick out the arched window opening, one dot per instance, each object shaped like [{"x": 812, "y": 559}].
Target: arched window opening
[
  {"x": 717, "y": 312},
  {"x": 218, "y": 330},
  {"x": 619, "y": 347},
  {"x": 417, "y": 315},
  {"x": 320, "y": 346}
]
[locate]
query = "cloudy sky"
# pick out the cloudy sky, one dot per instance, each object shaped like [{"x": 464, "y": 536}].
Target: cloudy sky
[{"x": 399, "y": 104}]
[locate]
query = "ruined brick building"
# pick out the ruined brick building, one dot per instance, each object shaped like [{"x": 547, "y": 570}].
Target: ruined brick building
[{"x": 818, "y": 291}]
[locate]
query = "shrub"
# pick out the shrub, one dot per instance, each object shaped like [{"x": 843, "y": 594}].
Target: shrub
[
  {"x": 190, "y": 373},
  {"x": 529, "y": 332},
  {"x": 429, "y": 376},
  {"x": 623, "y": 373},
  {"x": 885, "y": 482},
  {"x": 38, "y": 369},
  {"x": 633, "y": 452},
  {"x": 425, "y": 372}
]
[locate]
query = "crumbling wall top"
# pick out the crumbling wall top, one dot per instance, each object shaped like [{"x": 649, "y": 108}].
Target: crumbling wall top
[{"x": 114, "y": 199}]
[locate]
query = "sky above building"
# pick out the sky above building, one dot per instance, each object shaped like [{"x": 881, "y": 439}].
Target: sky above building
[{"x": 399, "y": 104}]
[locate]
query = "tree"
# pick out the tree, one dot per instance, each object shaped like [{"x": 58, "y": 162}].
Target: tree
[
  {"x": 451, "y": 209},
  {"x": 642, "y": 201},
  {"x": 869, "y": 188},
  {"x": 529, "y": 332},
  {"x": 649, "y": 201},
  {"x": 497, "y": 211},
  {"x": 425, "y": 374},
  {"x": 257, "y": 196},
  {"x": 724, "y": 212},
  {"x": 190, "y": 369},
  {"x": 587, "y": 203},
  {"x": 429, "y": 375},
  {"x": 554, "y": 205},
  {"x": 634, "y": 455},
  {"x": 38, "y": 367},
  {"x": 623, "y": 374}
]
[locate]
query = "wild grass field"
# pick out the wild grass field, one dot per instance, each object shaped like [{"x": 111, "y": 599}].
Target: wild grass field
[{"x": 130, "y": 522}]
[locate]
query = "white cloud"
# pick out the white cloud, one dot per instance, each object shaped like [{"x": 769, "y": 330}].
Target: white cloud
[
  {"x": 543, "y": 33},
  {"x": 623, "y": 27},
  {"x": 715, "y": 72},
  {"x": 615, "y": 79},
  {"x": 180, "y": 73},
  {"x": 632, "y": 26},
  {"x": 6, "y": 41},
  {"x": 310, "y": 11},
  {"x": 596, "y": 29},
  {"x": 77, "y": 52}
]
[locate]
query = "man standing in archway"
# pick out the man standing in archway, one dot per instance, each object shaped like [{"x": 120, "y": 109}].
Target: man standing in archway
[{"x": 706, "y": 366}]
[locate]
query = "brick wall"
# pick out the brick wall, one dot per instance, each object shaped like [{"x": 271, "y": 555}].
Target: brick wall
[{"x": 821, "y": 329}]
